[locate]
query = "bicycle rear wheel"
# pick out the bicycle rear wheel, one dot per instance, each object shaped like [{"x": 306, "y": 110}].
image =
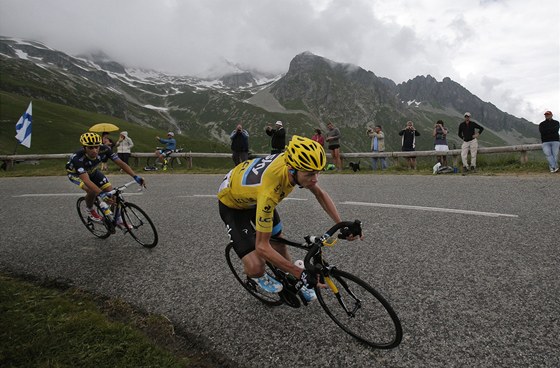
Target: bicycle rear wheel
[
  {"x": 139, "y": 225},
  {"x": 360, "y": 310},
  {"x": 99, "y": 229},
  {"x": 236, "y": 266}
]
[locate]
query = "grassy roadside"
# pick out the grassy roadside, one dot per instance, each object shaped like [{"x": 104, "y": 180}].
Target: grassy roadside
[
  {"x": 52, "y": 325},
  {"x": 492, "y": 164}
]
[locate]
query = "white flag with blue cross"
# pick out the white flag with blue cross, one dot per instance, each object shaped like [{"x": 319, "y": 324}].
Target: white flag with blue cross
[{"x": 23, "y": 128}]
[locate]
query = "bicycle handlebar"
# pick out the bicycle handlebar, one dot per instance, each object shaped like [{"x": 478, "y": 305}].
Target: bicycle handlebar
[
  {"x": 120, "y": 188},
  {"x": 346, "y": 228}
]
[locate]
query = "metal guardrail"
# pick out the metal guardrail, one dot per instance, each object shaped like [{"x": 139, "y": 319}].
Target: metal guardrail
[{"x": 455, "y": 153}]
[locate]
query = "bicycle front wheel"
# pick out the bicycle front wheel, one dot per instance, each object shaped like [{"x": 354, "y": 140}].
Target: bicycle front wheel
[
  {"x": 99, "y": 229},
  {"x": 139, "y": 225},
  {"x": 360, "y": 310},
  {"x": 236, "y": 266}
]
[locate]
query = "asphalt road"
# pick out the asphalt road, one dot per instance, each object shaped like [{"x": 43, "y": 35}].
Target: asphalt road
[{"x": 475, "y": 285}]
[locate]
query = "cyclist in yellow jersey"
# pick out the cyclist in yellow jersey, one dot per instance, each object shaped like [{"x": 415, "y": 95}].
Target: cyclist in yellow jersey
[{"x": 248, "y": 197}]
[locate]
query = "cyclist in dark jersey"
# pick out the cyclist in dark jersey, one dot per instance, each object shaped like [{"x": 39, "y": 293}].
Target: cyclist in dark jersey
[{"x": 82, "y": 171}]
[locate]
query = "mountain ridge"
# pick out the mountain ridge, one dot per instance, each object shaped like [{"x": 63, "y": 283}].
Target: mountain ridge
[{"x": 312, "y": 92}]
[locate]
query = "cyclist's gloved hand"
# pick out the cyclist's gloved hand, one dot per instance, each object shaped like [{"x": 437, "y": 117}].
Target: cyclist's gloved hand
[
  {"x": 308, "y": 279},
  {"x": 104, "y": 195},
  {"x": 353, "y": 231},
  {"x": 139, "y": 180}
]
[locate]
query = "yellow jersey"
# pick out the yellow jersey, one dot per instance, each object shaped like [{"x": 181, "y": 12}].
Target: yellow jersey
[{"x": 261, "y": 183}]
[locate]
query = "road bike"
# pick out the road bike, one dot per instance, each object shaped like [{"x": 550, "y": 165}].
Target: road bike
[
  {"x": 169, "y": 160},
  {"x": 134, "y": 220},
  {"x": 353, "y": 304}
]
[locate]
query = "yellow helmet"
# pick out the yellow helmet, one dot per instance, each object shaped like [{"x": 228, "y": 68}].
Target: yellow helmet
[
  {"x": 304, "y": 154},
  {"x": 90, "y": 139}
]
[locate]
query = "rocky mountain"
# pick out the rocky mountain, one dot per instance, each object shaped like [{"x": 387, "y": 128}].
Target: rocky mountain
[
  {"x": 451, "y": 95},
  {"x": 313, "y": 92}
]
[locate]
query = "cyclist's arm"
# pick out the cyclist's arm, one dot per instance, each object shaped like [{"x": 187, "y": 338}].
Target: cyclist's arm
[
  {"x": 127, "y": 169},
  {"x": 326, "y": 202},
  {"x": 328, "y": 205},
  {"x": 265, "y": 250}
]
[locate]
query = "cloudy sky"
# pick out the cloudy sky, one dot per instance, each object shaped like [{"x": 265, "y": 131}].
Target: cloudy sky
[{"x": 504, "y": 51}]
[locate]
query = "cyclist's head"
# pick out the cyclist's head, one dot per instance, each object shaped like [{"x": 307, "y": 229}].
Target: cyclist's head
[
  {"x": 90, "y": 139},
  {"x": 304, "y": 154}
]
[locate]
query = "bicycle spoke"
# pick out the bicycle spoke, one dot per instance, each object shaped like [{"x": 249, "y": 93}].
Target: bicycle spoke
[
  {"x": 360, "y": 310},
  {"x": 137, "y": 223},
  {"x": 99, "y": 229}
]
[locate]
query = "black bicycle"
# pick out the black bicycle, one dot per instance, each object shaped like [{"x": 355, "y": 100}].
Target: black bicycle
[
  {"x": 134, "y": 220},
  {"x": 350, "y": 302},
  {"x": 169, "y": 160}
]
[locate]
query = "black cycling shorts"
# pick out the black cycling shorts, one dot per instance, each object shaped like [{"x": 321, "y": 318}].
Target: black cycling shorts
[
  {"x": 241, "y": 229},
  {"x": 97, "y": 177},
  {"x": 165, "y": 152}
]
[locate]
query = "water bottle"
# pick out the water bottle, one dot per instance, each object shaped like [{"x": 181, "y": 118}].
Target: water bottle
[{"x": 105, "y": 209}]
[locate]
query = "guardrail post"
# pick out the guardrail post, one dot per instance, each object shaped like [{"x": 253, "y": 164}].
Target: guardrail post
[
  {"x": 524, "y": 157},
  {"x": 456, "y": 160}
]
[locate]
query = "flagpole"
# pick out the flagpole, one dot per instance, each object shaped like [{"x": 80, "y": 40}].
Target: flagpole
[{"x": 11, "y": 163}]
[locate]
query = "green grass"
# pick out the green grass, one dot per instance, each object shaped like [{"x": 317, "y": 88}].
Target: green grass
[
  {"x": 54, "y": 327},
  {"x": 57, "y": 129}
]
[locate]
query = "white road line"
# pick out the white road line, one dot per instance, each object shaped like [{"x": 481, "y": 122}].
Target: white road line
[
  {"x": 215, "y": 196},
  {"x": 199, "y": 195},
  {"x": 77, "y": 194},
  {"x": 433, "y": 209}
]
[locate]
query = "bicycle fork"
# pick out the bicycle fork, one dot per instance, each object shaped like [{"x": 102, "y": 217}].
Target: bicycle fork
[{"x": 336, "y": 292}]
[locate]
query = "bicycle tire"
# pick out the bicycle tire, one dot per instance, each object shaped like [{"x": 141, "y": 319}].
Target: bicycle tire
[
  {"x": 236, "y": 266},
  {"x": 151, "y": 161},
  {"x": 99, "y": 229},
  {"x": 139, "y": 225},
  {"x": 372, "y": 320}
]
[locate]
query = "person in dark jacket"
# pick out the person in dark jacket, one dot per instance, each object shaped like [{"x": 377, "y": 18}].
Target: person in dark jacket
[
  {"x": 467, "y": 132},
  {"x": 550, "y": 140},
  {"x": 278, "y": 134},
  {"x": 239, "y": 145},
  {"x": 409, "y": 134}
]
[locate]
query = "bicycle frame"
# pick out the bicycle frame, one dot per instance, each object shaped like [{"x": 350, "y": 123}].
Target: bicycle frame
[
  {"x": 118, "y": 200},
  {"x": 313, "y": 260}
]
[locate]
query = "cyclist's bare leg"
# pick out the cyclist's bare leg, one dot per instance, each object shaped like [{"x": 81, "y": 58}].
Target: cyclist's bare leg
[
  {"x": 90, "y": 195},
  {"x": 253, "y": 265},
  {"x": 159, "y": 156}
]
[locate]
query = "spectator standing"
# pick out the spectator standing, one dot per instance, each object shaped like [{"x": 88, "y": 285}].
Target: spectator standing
[
  {"x": 239, "y": 144},
  {"x": 440, "y": 141},
  {"x": 333, "y": 142},
  {"x": 377, "y": 145},
  {"x": 470, "y": 141},
  {"x": 124, "y": 145},
  {"x": 106, "y": 140},
  {"x": 318, "y": 137},
  {"x": 170, "y": 146},
  {"x": 278, "y": 140},
  {"x": 550, "y": 140},
  {"x": 409, "y": 134}
]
